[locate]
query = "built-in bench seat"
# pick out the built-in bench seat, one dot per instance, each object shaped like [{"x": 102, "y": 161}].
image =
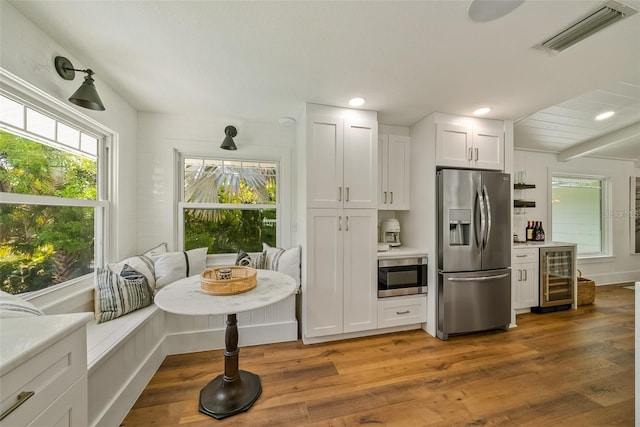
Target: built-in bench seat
[
  {"x": 123, "y": 354},
  {"x": 104, "y": 338}
]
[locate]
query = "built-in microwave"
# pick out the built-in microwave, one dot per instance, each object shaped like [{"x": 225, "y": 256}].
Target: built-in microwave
[{"x": 402, "y": 276}]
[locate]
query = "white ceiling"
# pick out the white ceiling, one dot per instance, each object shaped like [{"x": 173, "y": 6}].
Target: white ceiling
[{"x": 262, "y": 60}]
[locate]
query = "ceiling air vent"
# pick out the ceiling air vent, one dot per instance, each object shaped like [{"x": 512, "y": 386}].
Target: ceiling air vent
[{"x": 596, "y": 20}]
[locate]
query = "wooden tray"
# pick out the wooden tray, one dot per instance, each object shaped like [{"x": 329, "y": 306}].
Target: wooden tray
[{"x": 242, "y": 279}]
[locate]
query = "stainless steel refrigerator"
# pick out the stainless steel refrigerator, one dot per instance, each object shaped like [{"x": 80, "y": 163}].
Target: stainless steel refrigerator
[{"x": 474, "y": 251}]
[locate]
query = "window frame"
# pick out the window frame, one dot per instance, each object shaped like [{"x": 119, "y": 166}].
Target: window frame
[
  {"x": 182, "y": 205},
  {"x": 606, "y": 202},
  {"x": 29, "y": 96}
]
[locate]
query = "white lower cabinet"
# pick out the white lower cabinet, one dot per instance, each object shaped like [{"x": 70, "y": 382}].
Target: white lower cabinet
[
  {"x": 398, "y": 311},
  {"x": 524, "y": 278},
  {"x": 340, "y": 295},
  {"x": 44, "y": 371}
]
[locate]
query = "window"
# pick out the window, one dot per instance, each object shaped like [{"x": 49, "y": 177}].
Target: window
[
  {"x": 228, "y": 205},
  {"x": 51, "y": 198},
  {"x": 578, "y": 204}
]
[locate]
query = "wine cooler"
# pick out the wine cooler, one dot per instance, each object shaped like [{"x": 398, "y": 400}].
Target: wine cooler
[{"x": 557, "y": 278}]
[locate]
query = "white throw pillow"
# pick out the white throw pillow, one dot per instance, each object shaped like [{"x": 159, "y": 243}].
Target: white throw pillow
[
  {"x": 140, "y": 263},
  {"x": 172, "y": 266},
  {"x": 12, "y": 306},
  {"x": 283, "y": 260}
]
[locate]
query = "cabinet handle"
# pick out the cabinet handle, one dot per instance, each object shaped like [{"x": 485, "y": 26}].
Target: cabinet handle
[
  {"x": 385, "y": 197},
  {"x": 470, "y": 156},
  {"x": 476, "y": 153},
  {"x": 347, "y": 228},
  {"x": 347, "y": 194},
  {"x": 521, "y": 256},
  {"x": 519, "y": 275},
  {"x": 339, "y": 194},
  {"x": 22, "y": 397},
  {"x": 525, "y": 275},
  {"x": 339, "y": 223},
  {"x": 392, "y": 197},
  {"x": 402, "y": 312}
]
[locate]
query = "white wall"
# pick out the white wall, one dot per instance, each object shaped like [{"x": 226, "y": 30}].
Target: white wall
[
  {"x": 160, "y": 136},
  {"x": 622, "y": 266},
  {"x": 28, "y": 52}
]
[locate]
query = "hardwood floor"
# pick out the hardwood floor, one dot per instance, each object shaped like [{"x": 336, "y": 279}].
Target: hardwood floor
[{"x": 572, "y": 368}]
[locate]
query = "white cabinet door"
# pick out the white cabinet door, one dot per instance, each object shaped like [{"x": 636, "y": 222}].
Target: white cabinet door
[
  {"x": 360, "y": 270},
  {"x": 394, "y": 151},
  {"x": 324, "y": 162},
  {"x": 323, "y": 293},
  {"x": 480, "y": 145},
  {"x": 342, "y": 163},
  {"x": 360, "y": 170},
  {"x": 453, "y": 145},
  {"x": 524, "y": 278},
  {"x": 488, "y": 148},
  {"x": 340, "y": 293}
]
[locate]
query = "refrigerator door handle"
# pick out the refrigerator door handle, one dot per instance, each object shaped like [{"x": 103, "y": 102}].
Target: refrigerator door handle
[
  {"x": 487, "y": 202},
  {"x": 477, "y": 279},
  {"x": 481, "y": 241}
]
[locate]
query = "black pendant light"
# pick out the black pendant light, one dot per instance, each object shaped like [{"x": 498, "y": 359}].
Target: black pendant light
[
  {"x": 86, "y": 96},
  {"x": 228, "y": 143}
]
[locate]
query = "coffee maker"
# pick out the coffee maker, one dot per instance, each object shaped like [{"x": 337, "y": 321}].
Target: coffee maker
[{"x": 390, "y": 232}]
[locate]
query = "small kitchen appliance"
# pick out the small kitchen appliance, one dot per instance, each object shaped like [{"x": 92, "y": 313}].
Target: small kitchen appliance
[{"x": 390, "y": 232}]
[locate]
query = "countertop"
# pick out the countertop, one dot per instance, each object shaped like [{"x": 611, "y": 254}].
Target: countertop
[
  {"x": 541, "y": 244},
  {"x": 402, "y": 252},
  {"x": 24, "y": 337}
]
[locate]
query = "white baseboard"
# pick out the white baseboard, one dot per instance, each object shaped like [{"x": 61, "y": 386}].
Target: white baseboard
[
  {"x": 316, "y": 340},
  {"x": 614, "y": 277}
]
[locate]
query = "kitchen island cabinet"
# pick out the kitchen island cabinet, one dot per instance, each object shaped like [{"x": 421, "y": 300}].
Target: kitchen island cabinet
[{"x": 43, "y": 370}]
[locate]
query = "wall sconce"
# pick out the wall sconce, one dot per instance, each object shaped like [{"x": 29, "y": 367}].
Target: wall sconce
[
  {"x": 228, "y": 143},
  {"x": 86, "y": 96}
]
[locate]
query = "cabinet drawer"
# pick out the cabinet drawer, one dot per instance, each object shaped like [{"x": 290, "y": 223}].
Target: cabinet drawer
[
  {"x": 47, "y": 374},
  {"x": 397, "y": 311},
  {"x": 520, "y": 256}
]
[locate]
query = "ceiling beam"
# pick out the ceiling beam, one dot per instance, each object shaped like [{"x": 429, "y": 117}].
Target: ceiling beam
[{"x": 599, "y": 142}]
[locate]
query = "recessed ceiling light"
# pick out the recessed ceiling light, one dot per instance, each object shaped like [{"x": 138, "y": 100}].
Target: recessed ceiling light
[
  {"x": 604, "y": 115},
  {"x": 488, "y": 10},
  {"x": 481, "y": 111},
  {"x": 357, "y": 102},
  {"x": 287, "y": 121}
]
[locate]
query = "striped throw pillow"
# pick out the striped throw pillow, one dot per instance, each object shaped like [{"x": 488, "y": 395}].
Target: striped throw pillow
[
  {"x": 283, "y": 260},
  {"x": 118, "y": 294}
]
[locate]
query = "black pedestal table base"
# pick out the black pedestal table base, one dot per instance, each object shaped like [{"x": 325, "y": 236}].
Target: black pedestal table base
[{"x": 235, "y": 391}]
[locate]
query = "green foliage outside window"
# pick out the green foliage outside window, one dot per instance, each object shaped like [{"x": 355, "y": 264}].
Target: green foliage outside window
[
  {"x": 227, "y": 230},
  {"x": 42, "y": 245}
]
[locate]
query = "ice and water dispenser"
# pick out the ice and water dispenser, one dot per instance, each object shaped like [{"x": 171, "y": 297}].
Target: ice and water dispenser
[{"x": 459, "y": 227}]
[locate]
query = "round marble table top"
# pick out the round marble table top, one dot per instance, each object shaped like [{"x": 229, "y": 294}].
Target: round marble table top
[{"x": 186, "y": 297}]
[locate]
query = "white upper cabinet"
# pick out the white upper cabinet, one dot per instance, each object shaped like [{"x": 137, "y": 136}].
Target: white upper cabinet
[
  {"x": 342, "y": 160},
  {"x": 479, "y": 144},
  {"x": 394, "y": 163}
]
